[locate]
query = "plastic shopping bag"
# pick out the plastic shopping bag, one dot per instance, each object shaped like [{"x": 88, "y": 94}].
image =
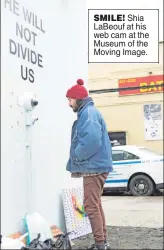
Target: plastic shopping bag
[{"x": 36, "y": 224}]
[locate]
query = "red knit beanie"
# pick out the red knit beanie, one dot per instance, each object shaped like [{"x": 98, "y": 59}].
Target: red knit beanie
[{"x": 77, "y": 91}]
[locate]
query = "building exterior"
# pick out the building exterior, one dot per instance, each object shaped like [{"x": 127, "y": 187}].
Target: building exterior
[
  {"x": 133, "y": 116},
  {"x": 40, "y": 55}
]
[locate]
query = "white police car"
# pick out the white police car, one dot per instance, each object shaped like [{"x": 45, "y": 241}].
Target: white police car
[{"x": 135, "y": 169}]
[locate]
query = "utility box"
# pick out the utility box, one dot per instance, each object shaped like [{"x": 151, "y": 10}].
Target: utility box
[{"x": 44, "y": 52}]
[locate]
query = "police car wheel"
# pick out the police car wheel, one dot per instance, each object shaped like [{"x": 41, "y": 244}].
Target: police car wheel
[{"x": 141, "y": 185}]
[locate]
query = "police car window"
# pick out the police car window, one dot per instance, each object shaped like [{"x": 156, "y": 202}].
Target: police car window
[
  {"x": 117, "y": 155},
  {"x": 120, "y": 155},
  {"x": 129, "y": 156}
]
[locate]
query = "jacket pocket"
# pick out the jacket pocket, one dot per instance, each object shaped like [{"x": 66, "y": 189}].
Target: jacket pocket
[{"x": 76, "y": 160}]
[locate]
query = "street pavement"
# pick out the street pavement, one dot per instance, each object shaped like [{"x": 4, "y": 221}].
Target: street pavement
[
  {"x": 133, "y": 211},
  {"x": 132, "y": 222}
]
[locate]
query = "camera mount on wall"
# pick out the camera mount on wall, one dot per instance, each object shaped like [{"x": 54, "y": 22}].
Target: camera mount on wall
[{"x": 28, "y": 101}]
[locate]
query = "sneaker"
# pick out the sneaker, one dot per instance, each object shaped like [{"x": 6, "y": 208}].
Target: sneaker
[
  {"x": 94, "y": 247},
  {"x": 107, "y": 247}
]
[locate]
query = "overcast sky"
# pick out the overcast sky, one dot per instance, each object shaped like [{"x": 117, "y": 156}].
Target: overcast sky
[{"x": 130, "y": 4}]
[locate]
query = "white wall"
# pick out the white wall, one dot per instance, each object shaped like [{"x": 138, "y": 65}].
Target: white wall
[{"x": 64, "y": 50}]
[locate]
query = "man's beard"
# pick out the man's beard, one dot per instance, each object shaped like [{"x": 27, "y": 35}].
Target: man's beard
[{"x": 75, "y": 109}]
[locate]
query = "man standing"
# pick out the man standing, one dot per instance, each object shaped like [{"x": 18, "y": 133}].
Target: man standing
[{"x": 90, "y": 158}]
